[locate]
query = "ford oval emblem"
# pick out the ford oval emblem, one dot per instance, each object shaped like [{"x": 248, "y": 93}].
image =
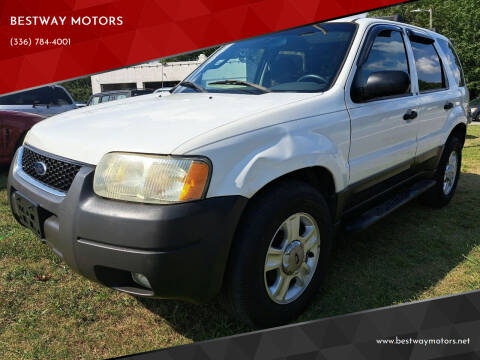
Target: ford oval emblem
[{"x": 40, "y": 168}]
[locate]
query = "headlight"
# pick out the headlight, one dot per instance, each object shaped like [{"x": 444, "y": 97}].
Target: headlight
[{"x": 151, "y": 178}]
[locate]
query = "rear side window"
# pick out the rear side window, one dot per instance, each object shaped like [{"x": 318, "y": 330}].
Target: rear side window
[
  {"x": 453, "y": 61},
  {"x": 431, "y": 76}
]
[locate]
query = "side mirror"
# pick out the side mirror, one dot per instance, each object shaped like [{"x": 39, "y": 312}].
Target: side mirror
[
  {"x": 381, "y": 84},
  {"x": 37, "y": 103}
]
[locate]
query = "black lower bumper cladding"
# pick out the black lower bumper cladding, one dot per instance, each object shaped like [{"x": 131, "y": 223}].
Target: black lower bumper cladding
[
  {"x": 443, "y": 328},
  {"x": 182, "y": 249}
]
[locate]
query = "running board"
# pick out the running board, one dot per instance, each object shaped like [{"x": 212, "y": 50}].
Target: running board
[{"x": 378, "y": 212}]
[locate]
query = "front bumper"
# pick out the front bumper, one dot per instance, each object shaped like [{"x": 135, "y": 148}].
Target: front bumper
[{"x": 182, "y": 248}]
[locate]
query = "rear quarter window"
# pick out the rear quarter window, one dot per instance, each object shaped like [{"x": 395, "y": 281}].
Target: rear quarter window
[{"x": 453, "y": 61}]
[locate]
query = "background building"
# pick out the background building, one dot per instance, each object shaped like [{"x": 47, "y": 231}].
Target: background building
[{"x": 151, "y": 75}]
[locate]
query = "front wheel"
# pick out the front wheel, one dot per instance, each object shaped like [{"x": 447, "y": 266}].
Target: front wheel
[
  {"x": 447, "y": 175},
  {"x": 280, "y": 255}
]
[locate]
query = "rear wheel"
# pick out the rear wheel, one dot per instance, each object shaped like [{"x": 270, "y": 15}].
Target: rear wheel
[
  {"x": 280, "y": 255},
  {"x": 447, "y": 175}
]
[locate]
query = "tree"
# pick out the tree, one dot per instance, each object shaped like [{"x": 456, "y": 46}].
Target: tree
[
  {"x": 458, "y": 20},
  {"x": 80, "y": 89}
]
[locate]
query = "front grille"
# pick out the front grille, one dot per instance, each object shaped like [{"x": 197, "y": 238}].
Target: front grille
[{"x": 59, "y": 174}]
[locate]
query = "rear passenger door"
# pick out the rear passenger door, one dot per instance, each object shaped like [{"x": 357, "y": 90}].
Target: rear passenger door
[
  {"x": 383, "y": 142},
  {"x": 437, "y": 96}
]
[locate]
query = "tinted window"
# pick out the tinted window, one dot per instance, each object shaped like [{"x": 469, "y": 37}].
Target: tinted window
[
  {"x": 453, "y": 62},
  {"x": 95, "y": 100},
  {"x": 47, "y": 95},
  {"x": 305, "y": 59},
  {"x": 387, "y": 54},
  {"x": 429, "y": 67},
  {"x": 60, "y": 97},
  {"x": 29, "y": 97}
]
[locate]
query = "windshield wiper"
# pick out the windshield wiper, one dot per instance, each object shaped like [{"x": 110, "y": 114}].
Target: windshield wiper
[
  {"x": 241, "y": 82},
  {"x": 319, "y": 27},
  {"x": 192, "y": 85}
]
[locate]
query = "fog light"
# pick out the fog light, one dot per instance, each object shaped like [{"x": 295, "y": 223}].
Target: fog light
[{"x": 141, "y": 280}]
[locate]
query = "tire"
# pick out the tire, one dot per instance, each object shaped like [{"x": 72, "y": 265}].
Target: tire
[
  {"x": 249, "y": 289},
  {"x": 441, "y": 194}
]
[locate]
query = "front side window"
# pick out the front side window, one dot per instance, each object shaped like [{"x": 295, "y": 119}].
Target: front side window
[
  {"x": 453, "y": 61},
  {"x": 305, "y": 59},
  {"x": 60, "y": 97},
  {"x": 431, "y": 76},
  {"x": 387, "y": 54}
]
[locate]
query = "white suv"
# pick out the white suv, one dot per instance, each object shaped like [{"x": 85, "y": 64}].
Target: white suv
[{"x": 238, "y": 180}]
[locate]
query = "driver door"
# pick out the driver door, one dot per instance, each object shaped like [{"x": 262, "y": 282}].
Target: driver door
[{"x": 383, "y": 139}]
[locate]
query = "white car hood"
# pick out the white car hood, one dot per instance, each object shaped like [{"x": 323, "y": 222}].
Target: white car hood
[{"x": 146, "y": 124}]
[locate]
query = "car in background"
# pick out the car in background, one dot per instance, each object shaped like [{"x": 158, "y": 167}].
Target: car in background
[
  {"x": 13, "y": 128},
  {"x": 45, "y": 101},
  {"x": 475, "y": 109},
  {"x": 80, "y": 104},
  {"x": 107, "y": 96},
  {"x": 163, "y": 89}
]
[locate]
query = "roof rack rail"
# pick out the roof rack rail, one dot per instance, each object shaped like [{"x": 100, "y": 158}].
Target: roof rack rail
[{"x": 396, "y": 17}]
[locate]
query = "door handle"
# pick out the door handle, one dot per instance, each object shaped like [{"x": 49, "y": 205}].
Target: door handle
[
  {"x": 410, "y": 115},
  {"x": 448, "y": 106}
]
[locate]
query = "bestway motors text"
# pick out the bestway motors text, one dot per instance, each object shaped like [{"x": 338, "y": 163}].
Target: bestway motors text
[{"x": 66, "y": 20}]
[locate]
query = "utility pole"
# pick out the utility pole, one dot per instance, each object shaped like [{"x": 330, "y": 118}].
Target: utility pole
[{"x": 430, "y": 11}]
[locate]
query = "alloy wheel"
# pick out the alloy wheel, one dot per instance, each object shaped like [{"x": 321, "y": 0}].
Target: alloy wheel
[{"x": 292, "y": 258}]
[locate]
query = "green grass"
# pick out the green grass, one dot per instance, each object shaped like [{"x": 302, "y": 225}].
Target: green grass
[{"x": 48, "y": 311}]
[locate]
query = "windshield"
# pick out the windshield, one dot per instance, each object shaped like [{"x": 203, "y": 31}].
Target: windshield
[{"x": 305, "y": 59}]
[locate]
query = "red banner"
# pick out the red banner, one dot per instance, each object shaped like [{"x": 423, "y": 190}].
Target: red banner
[{"x": 48, "y": 41}]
